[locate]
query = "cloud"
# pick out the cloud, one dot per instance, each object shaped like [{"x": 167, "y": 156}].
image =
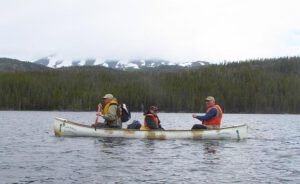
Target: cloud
[{"x": 179, "y": 30}]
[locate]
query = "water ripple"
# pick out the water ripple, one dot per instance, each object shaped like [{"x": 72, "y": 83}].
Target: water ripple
[{"x": 30, "y": 153}]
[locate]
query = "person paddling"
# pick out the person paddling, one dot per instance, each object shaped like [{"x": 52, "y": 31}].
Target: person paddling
[
  {"x": 212, "y": 118},
  {"x": 109, "y": 113},
  {"x": 151, "y": 120}
]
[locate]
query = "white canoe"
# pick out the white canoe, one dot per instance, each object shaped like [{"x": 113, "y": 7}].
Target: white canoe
[{"x": 63, "y": 127}]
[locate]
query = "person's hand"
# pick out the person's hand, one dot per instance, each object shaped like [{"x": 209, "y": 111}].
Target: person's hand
[
  {"x": 98, "y": 113},
  {"x": 100, "y": 105},
  {"x": 194, "y": 116}
]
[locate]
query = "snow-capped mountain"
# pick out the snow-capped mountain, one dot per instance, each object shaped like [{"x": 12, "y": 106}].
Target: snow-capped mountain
[{"x": 55, "y": 62}]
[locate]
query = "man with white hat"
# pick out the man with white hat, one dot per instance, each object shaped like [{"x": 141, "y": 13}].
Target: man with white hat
[
  {"x": 212, "y": 118},
  {"x": 109, "y": 113}
]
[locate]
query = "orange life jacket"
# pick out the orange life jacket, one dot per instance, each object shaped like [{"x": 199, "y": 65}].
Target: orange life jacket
[
  {"x": 146, "y": 127},
  {"x": 215, "y": 121}
]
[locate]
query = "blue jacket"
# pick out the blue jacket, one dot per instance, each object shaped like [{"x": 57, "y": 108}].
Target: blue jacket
[{"x": 210, "y": 114}]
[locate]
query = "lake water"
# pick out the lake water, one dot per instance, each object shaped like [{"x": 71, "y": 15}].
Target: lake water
[{"x": 30, "y": 153}]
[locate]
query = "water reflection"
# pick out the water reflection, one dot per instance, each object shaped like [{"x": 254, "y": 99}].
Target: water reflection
[
  {"x": 211, "y": 147},
  {"x": 149, "y": 143},
  {"x": 111, "y": 145},
  {"x": 111, "y": 142}
]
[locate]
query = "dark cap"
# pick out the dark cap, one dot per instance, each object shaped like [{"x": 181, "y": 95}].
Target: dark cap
[{"x": 154, "y": 108}]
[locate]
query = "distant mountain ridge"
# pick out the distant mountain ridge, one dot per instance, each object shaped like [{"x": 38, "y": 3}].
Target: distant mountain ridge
[
  {"x": 53, "y": 62},
  {"x": 13, "y": 65}
]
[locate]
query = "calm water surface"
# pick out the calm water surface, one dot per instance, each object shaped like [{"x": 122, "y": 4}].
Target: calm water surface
[{"x": 30, "y": 153}]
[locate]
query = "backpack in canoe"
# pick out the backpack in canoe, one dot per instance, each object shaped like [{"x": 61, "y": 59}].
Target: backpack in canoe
[{"x": 124, "y": 112}]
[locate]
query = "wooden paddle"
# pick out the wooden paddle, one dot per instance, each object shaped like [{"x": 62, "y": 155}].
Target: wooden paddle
[{"x": 97, "y": 116}]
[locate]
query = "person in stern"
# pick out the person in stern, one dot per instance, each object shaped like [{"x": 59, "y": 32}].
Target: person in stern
[
  {"x": 110, "y": 113},
  {"x": 212, "y": 118},
  {"x": 151, "y": 120}
]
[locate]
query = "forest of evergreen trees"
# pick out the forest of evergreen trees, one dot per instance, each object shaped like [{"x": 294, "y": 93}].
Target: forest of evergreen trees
[{"x": 256, "y": 86}]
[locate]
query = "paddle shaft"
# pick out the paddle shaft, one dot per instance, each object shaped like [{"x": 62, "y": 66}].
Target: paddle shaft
[{"x": 97, "y": 116}]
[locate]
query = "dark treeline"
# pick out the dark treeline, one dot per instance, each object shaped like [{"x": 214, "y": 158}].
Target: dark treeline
[{"x": 257, "y": 86}]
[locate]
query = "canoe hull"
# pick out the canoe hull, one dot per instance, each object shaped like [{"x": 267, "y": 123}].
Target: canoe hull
[{"x": 63, "y": 127}]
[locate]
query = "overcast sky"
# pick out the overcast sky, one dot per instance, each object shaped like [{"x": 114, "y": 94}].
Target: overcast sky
[{"x": 176, "y": 30}]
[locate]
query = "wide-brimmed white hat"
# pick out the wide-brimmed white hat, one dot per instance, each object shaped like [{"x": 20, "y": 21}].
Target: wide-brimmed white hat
[{"x": 108, "y": 96}]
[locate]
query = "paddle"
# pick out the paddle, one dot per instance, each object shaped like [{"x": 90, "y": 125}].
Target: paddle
[{"x": 97, "y": 116}]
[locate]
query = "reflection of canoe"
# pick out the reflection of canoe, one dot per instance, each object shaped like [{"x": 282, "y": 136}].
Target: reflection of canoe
[{"x": 63, "y": 127}]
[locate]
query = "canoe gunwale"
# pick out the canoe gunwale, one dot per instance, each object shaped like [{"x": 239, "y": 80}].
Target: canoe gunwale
[{"x": 201, "y": 130}]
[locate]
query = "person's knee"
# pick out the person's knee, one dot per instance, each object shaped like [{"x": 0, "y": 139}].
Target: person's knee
[
  {"x": 198, "y": 127},
  {"x": 134, "y": 125}
]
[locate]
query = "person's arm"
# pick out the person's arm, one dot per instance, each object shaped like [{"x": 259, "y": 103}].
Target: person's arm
[
  {"x": 159, "y": 125},
  {"x": 111, "y": 113},
  {"x": 151, "y": 122},
  {"x": 210, "y": 114}
]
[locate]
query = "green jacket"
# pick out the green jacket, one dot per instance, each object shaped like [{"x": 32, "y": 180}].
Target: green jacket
[{"x": 112, "y": 119}]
